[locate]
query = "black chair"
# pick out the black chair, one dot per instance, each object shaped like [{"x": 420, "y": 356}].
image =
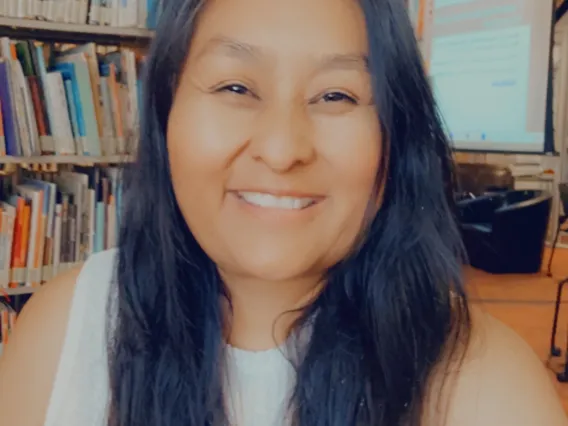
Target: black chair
[
  {"x": 563, "y": 219},
  {"x": 506, "y": 232},
  {"x": 480, "y": 178}
]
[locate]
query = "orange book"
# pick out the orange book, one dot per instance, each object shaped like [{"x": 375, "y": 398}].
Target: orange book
[
  {"x": 5, "y": 323},
  {"x": 22, "y": 241},
  {"x": 13, "y": 51},
  {"x": 25, "y": 240},
  {"x": 17, "y": 261}
]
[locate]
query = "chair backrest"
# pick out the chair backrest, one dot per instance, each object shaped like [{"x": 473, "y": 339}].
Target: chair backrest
[
  {"x": 478, "y": 178},
  {"x": 522, "y": 198},
  {"x": 520, "y": 228}
]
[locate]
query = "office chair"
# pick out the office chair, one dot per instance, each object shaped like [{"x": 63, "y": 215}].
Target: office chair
[
  {"x": 563, "y": 219},
  {"x": 490, "y": 226}
]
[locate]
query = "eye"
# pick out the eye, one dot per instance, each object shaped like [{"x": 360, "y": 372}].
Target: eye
[
  {"x": 237, "y": 89},
  {"x": 333, "y": 97}
]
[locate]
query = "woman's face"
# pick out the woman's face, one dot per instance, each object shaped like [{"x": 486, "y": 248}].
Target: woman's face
[{"x": 273, "y": 138}]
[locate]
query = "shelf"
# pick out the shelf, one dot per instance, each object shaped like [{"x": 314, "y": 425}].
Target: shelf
[
  {"x": 58, "y": 31},
  {"x": 66, "y": 159},
  {"x": 18, "y": 291}
]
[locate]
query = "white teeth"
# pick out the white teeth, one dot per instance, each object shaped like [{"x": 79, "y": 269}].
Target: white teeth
[{"x": 272, "y": 201}]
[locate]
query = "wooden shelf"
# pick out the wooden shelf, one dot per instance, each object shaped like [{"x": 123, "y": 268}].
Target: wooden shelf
[
  {"x": 18, "y": 291},
  {"x": 67, "y": 159},
  {"x": 57, "y": 31}
]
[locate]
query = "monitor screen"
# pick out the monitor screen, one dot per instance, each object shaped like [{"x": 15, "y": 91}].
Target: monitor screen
[{"x": 489, "y": 62}]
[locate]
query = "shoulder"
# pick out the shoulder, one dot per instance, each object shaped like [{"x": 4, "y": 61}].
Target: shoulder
[
  {"x": 498, "y": 381},
  {"x": 26, "y": 379}
]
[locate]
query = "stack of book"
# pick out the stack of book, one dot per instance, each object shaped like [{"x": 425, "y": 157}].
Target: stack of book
[
  {"x": 60, "y": 99},
  {"x": 51, "y": 222},
  {"x": 48, "y": 224},
  {"x": 115, "y": 13}
]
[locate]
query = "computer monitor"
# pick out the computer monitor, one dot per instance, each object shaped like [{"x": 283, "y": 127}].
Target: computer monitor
[{"x": 489, "y": 67}]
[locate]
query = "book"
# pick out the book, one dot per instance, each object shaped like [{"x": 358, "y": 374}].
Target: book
[
  {"x": 52, "y": 222},
  {"x": 116, "y": 13},
  {"x": 68, "y": 99}
]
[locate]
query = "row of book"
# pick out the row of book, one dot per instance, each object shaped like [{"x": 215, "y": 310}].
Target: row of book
[
  {"x": 50, "y": 222},
  {"x": 115, "y": 13},
  {"x": 61, "y": 99}
]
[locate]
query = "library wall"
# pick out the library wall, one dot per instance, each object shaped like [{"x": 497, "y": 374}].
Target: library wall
[{"x": 69, "y": 113}]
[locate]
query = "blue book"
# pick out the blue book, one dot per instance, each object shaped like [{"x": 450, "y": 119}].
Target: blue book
[
  {"x": 11, "y": 133},
  {"x": 67, "y": 70},
  {"x": 72, "y": 109}
]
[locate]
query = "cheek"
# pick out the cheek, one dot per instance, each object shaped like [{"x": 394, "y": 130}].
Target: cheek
[
  {"x": 203, "y": 137},
  {"x": 199, "y": 149},
  {"x": 352, "y": 147}
]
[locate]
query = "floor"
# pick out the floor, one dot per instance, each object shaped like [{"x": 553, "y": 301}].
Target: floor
[{"x": 526, "y": 304}]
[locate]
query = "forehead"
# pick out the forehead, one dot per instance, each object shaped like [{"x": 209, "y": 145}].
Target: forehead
[{"x": 283, "y": 28}]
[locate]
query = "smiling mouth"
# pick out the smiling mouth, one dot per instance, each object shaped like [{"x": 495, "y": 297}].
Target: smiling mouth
[{"x": 271, "y": 201}]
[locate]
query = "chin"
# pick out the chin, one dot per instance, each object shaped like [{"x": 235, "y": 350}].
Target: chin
[
  {"x": 274, "y": 271},
  {"x": 274, "y": 267}
]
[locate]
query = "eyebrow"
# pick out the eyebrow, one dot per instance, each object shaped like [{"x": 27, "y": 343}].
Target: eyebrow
[
  {"x": 231, "y": 47},
  {"x": 345, "y": 61}
]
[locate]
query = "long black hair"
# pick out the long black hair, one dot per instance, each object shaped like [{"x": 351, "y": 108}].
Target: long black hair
[{"x": 388, "y": 315}]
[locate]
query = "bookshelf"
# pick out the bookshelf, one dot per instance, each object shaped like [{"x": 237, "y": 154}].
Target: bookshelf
[
  {"x": 79, "y": 160},
  {"x": 70, "y": 32},
  {"x": 21, "y": 291},
  {"x": 69, "y": 105}
]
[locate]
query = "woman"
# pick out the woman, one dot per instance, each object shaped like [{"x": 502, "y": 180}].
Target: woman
[{"x": 289, "y": 253}]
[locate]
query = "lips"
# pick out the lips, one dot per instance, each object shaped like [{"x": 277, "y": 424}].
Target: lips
[{"x": 285, "y": 202}]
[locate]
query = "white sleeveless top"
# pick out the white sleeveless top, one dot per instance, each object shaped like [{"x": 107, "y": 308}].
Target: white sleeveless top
[{"x": 257, "y": 387}]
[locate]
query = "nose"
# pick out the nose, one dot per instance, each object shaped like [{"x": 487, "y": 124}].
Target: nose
[{"x": 283, "y": 140}]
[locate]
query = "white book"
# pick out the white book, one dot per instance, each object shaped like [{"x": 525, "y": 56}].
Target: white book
[
  {"x": 59, "y": 10},
  {"x": 56, "y": 240},
  {"x": 37, "y": 6},
  {"x": 62, "y": 133},
  {"x": 48, "y": 9},
  {"x": 108, "y": 142},
  {"x": 128, "y": 13},
  {"x": 142, "y": 13},
  {"x": 91, "y": 217},
  {"x": 13, "y": 8},
  {"x": 94, "y": 12},
  {"x": 70, "y": 184},
  {"x": 78, "y": 184},
  {"x": 83, "y": 11},
  {"x": 29, "y": 9},
  {"x": 17, "y": 86},
  {"x": 21, "y": 6},
  {"x": 105, "y": 18},
  {"x": 29, "y": 117}
]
